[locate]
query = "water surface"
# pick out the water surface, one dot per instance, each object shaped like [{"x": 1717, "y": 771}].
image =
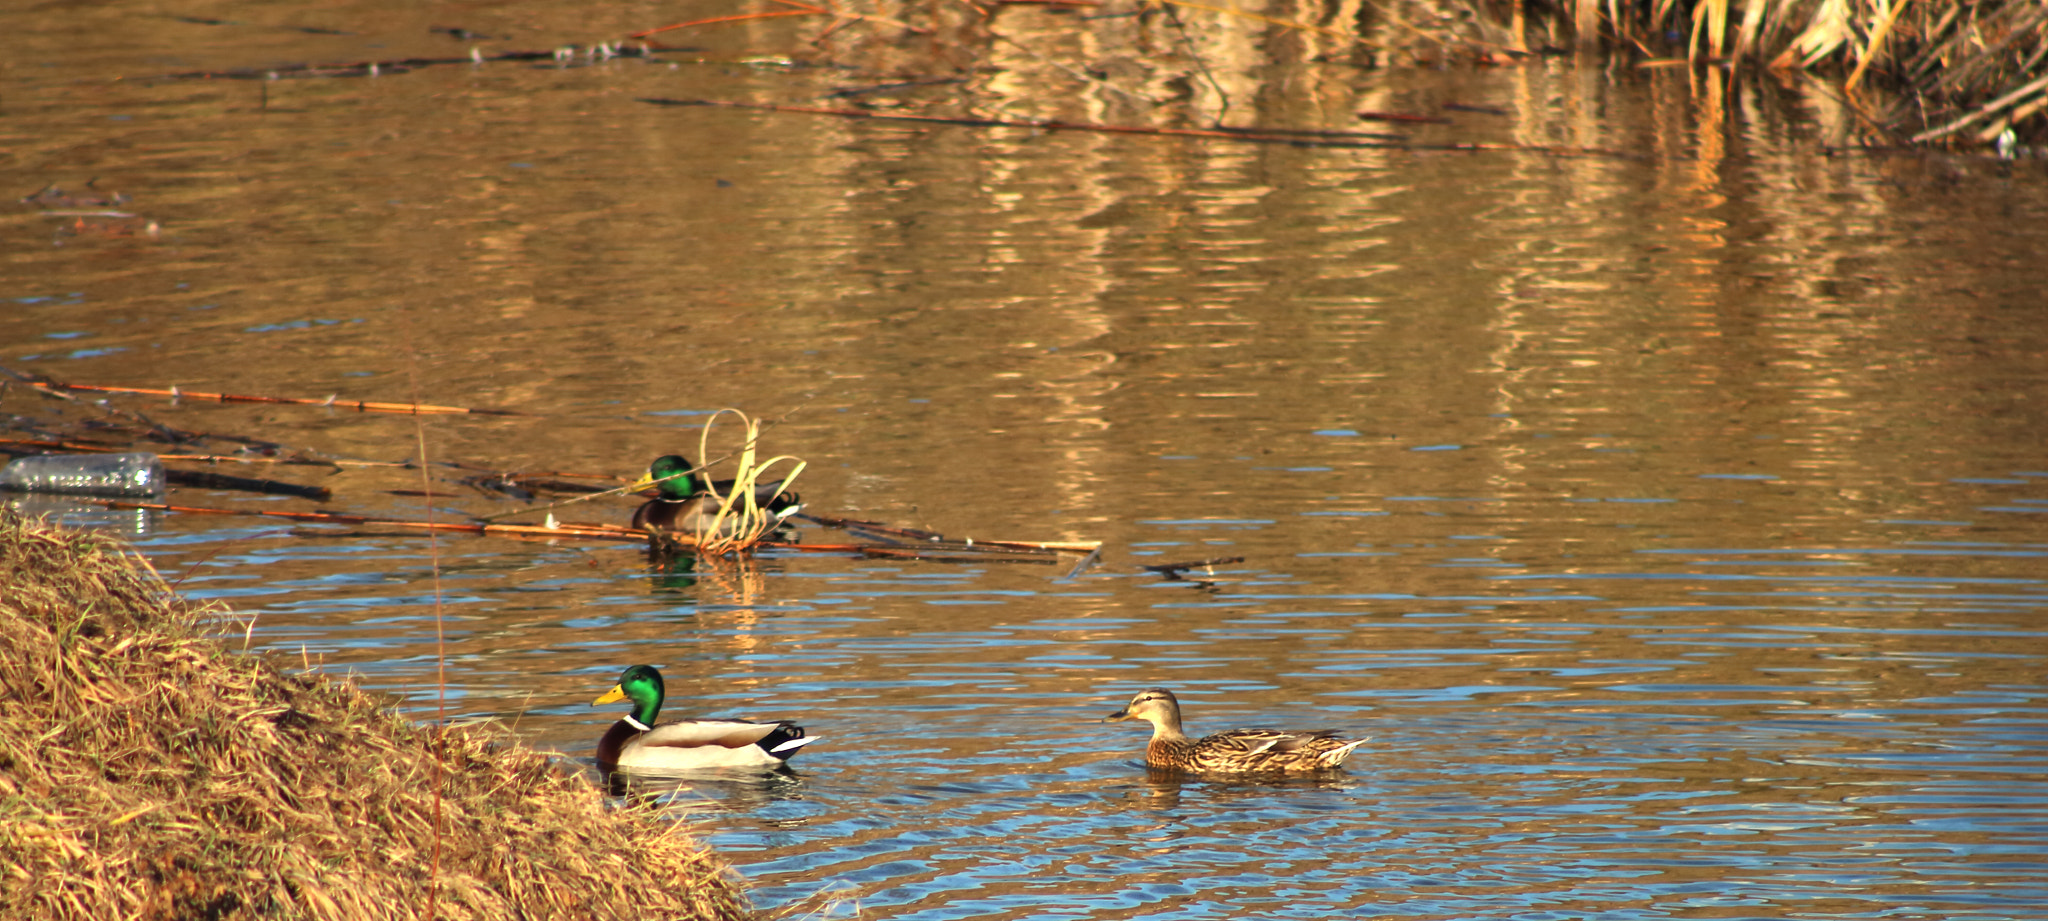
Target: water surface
[{"x": 1672, "y": 522}]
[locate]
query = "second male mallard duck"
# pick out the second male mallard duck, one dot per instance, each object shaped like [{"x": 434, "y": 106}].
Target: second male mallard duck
[
  {"x": 637, "y": 742},
  {"x": 1242, "y": 751},
  {"x": 690, "y": 503}
]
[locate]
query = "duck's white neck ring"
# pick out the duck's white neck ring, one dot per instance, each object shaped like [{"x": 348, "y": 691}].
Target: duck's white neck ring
[{"x": 636, "y": 724}]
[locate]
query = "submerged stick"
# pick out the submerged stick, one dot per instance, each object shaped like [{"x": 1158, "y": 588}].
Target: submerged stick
[{"x": 207, "y": 480}]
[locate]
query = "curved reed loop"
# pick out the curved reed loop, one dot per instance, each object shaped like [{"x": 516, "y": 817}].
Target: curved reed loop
[{"x": 754, "y": 522}]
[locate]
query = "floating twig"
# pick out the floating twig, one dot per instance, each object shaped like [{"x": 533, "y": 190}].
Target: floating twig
[
  {"x": 1231, "y": 134},
  {"x": 400, "y": 65},
  {"x": 579, "y": 531},
  {"x": 1175, "y": 569},
  {"x": 1276, "y": 136},
  {"x": 336, "y": 402},
  {"x": 742, "y": 17},
  {"x": 874, "y": 527},
  {"x": 935, "y": 540},
  {"x": 41, "y": 446},
  {"x": 1404, "y": 117},
  {"x": 950, "y": 551}
]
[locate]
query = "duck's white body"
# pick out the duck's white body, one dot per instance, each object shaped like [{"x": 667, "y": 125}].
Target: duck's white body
[
  {"x": 637, "y": 742},
  {"x": 693, "y": 744}
]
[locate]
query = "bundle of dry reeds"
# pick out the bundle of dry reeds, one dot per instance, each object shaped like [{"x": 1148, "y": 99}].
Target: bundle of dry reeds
[
  {"x": 1950, "y": 69},
  {"x": 147, "y": 770},
  {"x": 751, "y": 522}
]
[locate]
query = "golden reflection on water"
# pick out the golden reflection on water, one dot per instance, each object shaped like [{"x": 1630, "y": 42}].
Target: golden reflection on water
[{"x": 1650, "y": 511}]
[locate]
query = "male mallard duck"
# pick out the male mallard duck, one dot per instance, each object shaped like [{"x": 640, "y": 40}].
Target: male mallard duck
[
  {"x": 637, "y": 742},
  {"x": 1236, "y": 751},
  {"x": 690, "y": 503}
]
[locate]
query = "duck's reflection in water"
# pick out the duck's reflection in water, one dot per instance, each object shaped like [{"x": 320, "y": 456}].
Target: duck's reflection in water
[
  {"x": 705, "y": 790},
  {"x": 1164, "y": 788}
]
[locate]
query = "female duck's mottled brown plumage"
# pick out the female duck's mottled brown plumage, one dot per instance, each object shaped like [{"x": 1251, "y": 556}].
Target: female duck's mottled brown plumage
[{"x": 1239, "y": 751}]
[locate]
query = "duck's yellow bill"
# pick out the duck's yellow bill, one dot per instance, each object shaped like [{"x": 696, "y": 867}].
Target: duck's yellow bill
[
  {"x": 645, "y": 480},
  {"x": 618, "y": 692}
]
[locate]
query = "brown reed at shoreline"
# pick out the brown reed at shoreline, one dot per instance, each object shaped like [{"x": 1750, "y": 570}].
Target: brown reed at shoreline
[{"x": 150, "y": 770}]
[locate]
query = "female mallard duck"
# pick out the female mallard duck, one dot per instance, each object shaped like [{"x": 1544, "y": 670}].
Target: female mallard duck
[
  {"x": 1239, "y": 751},
  {"x": 638, "y": 743},
  {"x": 690, "y": 503}
]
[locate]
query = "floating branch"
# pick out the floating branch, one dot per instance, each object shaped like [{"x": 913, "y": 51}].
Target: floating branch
[
  {"x": 361, "y": 406},
  {"x": 52, "y": 389},
  {"x": 875, "y": 527},
  {"x": 800, "y": 10},
  {"x": 951, "y": 554},
  {"x": 1291, "y": 137},
  {"x": 1405, "y": 117},
  {"x": 579, "y": 531},
  {"x": 1252, "y": 135},
  {"x": 1175, "y": 569},
  {"x": 661, "y": 542},
  {"x": 41, "y": 446},
  {"x": 935, "y": 539},
  {"x": 562, "y": 55}
]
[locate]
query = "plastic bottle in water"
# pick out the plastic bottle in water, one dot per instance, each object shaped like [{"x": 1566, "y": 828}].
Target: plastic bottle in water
[{"x": 127, "y": 475}]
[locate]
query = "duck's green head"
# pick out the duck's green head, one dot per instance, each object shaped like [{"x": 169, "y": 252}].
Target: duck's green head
[
  {"x": 642, "y": 685},
  {"x": 669, "y": 474}
]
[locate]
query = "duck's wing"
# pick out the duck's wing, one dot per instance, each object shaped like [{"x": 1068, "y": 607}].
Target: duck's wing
[
  {"x": 671, "y": 516},
  {"x": 707, "y": 733},
  {"x": 764, "y": 493},
  {"x": 1265, "y": 741},
  {"x": 686, "y": 745}
]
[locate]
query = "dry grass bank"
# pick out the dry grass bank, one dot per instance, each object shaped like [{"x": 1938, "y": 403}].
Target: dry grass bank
[
  {"x": 1930, "y": 71},
  {"x": 149, "y": 771}
]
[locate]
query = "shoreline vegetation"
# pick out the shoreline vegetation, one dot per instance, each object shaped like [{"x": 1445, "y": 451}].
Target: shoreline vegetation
[
  {"x": 1914, "y": 71},
  {"x": 149, "y": 768}
]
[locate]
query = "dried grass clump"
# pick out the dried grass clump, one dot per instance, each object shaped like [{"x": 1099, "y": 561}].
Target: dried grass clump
[
  {"x": 147, "y": 771},
  {"x": 1935, "y": 69},
  {"x": 752, "y": 522}
]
